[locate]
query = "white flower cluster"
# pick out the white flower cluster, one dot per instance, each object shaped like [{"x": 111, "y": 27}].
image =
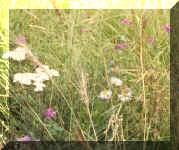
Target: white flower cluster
[
  {"x": 126, "y": 94},
  {"x": 18, "y": 54},
  {"x": 45, "y": 69},
  {"x": 42, "y": 73},
  {"x": 37, "y": 78}
]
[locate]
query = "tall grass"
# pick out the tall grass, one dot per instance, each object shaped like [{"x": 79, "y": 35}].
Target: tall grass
[
  {"x": 4, "y": 70},
  {"x": 82, "y": 59}
]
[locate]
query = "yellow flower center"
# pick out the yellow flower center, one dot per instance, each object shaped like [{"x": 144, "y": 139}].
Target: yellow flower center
[
  {"x": 116, "y": 69},
  {"x": 21, "y": 138},
  {"x": 115, "y": 81},
  {"x": 105, "y": 92}
]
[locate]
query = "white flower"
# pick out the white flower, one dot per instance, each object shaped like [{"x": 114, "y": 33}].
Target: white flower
[
  {"x": 7, "y": 87},
  {"x": 39, "y": 69},
  {"x": 129, "y": 92},
  {"x": 123, "y": 98},
  {"x": 45, "y": 69},
  {"x": 24, "y": 78},
  {"x": 116, "y": 81},
  {"x": 27, "y": 78},
  {"x": 106, "y": 94},
  {"x": 6, "y": 55},
  {"x": 17, "y": 77},
  {"x": 39, "y": 86},
  {"x": 18, "y": 54},
  {"x": 26, "y": 81},
  {"x": 20, "y": 50},
  {"x": 41, "y": 77},
  {"x": 127, "y": 97},
  {"x": 115, "y": 69},
  {"x": 42, "y": 74},
  {"x": 54, "y": 72},
  {"x": 37, "y": 89}
]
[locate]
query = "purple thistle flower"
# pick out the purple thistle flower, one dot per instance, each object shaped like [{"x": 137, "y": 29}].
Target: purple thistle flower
[
  {"x": 50, "y": 113},
  {"x": 125, "y": 21},
  {"x": 167, "y": 28},
  {"x": 21, "y": 40}
]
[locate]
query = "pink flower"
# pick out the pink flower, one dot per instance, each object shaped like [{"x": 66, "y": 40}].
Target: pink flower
[
  {"x": 83, "y": 30},
  {"x": 21, "y": 40},
  {"x": 125, "y": 21},
  {"x": 122, "y": 45},
  {"x": 50, "y": 113},
  {"x": 26, "y": 138},
  {"x": 150, "y": 40},
  {"x": 167, "y": 28},
  {"x": 126, "y": 45}
]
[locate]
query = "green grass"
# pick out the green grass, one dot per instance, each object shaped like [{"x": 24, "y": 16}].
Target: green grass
[
  {"x": 4, "y": 69},
  {"x": 58, "y": 43}
]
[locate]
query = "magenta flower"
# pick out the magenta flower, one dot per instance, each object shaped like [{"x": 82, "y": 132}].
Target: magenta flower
[
  {"x": 167, "y": 28},
  {"x": 122, "y": 45},
  {"x": 83, "y": 30},
  {"x": 21, "y": 40},
  {"x": 26, "y": 138},
  {"x": 50, "y": 113},
  {"x": 150, "y": 40},
  {"x": 126, "y": 45},
  {"x": 125, "y": 21}
]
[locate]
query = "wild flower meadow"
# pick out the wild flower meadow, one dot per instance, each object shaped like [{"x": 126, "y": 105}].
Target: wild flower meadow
[{"x": 89, "y": 75}]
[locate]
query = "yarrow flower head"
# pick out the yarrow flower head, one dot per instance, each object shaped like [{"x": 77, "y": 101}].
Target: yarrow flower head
[
  {"x": 18, "y": 54},
  {"x": 125, "y": 97},
  {"x": 106, "y": 94},
  {"x": 24, "y": 78},
  {"x": 39, "y": 86},
  {"x": 37, "y": 78},
  {"x": 45, "y": 69},
  {"x": 125, "y": 21},
  {"x": 42, "y": 74},
  {"x": 50, "y": 113},
  {"x": 167, "y": 28},
  {"x": 26, "y": 138},
  {"x": 116, "y": 81}
]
